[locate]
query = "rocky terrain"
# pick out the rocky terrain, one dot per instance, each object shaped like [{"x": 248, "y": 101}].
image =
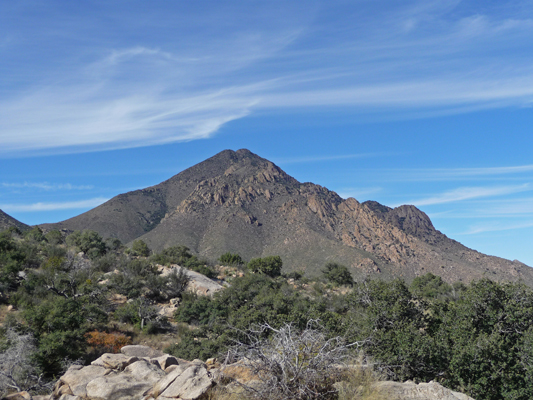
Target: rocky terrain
[
  {"x": 140, "y": 372},
  {"x": 242, "y": 203}
]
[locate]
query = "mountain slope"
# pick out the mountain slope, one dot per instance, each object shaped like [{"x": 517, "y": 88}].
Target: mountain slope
[
  {"x": 240, "y": 202},
  {"x": 7, "y": 221}
]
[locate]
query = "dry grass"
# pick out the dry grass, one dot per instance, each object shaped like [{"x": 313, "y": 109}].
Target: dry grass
[{"x": 359, "y": 383}]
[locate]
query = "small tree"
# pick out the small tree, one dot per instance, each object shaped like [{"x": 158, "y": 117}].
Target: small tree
[
  {"x": 231, "y": 259},
  {"x": 140, "y": 248},
  {"x": 338, "y": 274},
  {"x": 270, "y": 265}
]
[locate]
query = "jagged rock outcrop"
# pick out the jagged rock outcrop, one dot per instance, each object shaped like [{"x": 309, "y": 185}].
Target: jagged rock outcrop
[{"x": 242, "y": 203}]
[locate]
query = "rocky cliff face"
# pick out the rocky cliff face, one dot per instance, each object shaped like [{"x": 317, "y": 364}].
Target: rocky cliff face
[{"x": 240, "y": 202}]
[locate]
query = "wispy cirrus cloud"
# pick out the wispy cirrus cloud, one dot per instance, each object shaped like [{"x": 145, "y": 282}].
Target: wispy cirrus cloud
[
  {"x": 497, "y": 227},
  {"x": 53, "y": 206},
  {"x": 202, "y": 68},
  {"x": 450, "y": 174},
  {"x": 469, "y": 193},
  {"x": 46, "y": 186}
]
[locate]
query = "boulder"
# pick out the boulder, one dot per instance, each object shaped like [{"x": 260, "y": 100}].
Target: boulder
[
  {"x": 114, "y": 361},
  {"x": 166, "y": 361},
  {"x": 145, "y": 371},
  {"x": 140, "y": 351},
  {"x": 422, "y": 391},
  {"x": 190, "y": 384},
  {"x": 75, "y": 380},
  {"x": 117, "y": 386}
]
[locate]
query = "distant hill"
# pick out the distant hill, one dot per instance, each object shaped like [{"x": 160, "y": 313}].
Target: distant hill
[
  {"x": 7, "y": 221},
  {"x": 240, "y": 202}
]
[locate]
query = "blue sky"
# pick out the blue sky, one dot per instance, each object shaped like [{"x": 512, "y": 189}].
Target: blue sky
[{"x": 403, "y": 102}]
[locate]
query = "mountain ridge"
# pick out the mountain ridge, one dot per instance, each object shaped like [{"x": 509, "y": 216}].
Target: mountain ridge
[
  {"x": 7, "y": 221},
  {"x": 239, "y": 202}
]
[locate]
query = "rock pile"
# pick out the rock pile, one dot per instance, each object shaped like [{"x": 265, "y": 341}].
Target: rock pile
[
  {"x": 138, "y": 372},
  {"x": 143, "y": 373}
]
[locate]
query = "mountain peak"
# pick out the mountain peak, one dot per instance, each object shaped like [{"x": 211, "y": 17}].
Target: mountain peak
[{"x": 238, "y": 202}]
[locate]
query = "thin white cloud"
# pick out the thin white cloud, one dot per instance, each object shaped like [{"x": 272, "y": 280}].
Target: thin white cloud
[
  {"x": 67, "y": 205},
  {"x": 46, "y": 186},
  {"x": 437, "y": 174},
  {"x": 468, "y": 193},
  {"x": 413, "y": 58},
  {"x": 496, "y": 227}
]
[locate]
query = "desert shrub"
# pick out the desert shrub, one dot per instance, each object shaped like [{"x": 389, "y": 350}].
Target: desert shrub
[
  {"x": 35, "y": 235},
  {"x": 18, "y": 371},
  {"x": 104, "y": 342},
  {"x": 88, "y": 241},
  {"x": 182, "y": 256},
  {"x": 54, "y": 237},
  {"x": 12, "y": 261},
  {"x": 397, "y": 329},
  {"x": 252, "y": 299},
  {"x": 338, "y": 274},
  {"x": 430, "y": 286},
  {"x": 58, "y": 324},
  {"x": 113, "y": 243},
  {"x": 133, "y": 276},
  {"x": 270, "y": 265},
  {"x": 231, "y": 259},
  {"x": 142, "y": 314},
  {"x": 291, "y": 363},
  {"x": 139, "y": 248}
]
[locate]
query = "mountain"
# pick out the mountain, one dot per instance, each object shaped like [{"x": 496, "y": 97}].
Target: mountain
[
  {"x": 7, "y": 221},
  {"x": 240, "y": 202}
]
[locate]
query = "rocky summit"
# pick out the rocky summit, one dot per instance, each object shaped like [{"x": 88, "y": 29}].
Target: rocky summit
[{"x": 239, "y": 202}]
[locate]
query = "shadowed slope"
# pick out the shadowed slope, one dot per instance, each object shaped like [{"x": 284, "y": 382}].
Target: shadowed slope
[{"x": 7, "y": 221}]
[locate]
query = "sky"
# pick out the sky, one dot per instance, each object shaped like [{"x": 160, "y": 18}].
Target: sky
[{"x": 422, "y": 102}]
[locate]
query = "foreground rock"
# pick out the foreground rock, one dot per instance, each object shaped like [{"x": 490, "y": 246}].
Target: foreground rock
[
  {"x": 421, "y": 391},
  {"x": 139, "y": 372},
  {"x": 143, "y": 373}
]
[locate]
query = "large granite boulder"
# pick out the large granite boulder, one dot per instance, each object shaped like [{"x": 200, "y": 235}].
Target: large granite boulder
[{"x": 138, "y": 373}]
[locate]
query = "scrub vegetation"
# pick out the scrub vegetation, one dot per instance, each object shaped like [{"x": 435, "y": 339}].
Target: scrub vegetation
[{"x": 63, "y": 293}]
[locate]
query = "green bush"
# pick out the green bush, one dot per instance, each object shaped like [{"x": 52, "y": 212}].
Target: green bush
[
  {"x": 270, "y": 265},
  {"x": 140, "y": 248},
  {"x": 90, "y": 242},
  {"x": 338, "y": 274},
  {"x": 231, "y": 259},
  {"x": 54, "y": 237}
]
